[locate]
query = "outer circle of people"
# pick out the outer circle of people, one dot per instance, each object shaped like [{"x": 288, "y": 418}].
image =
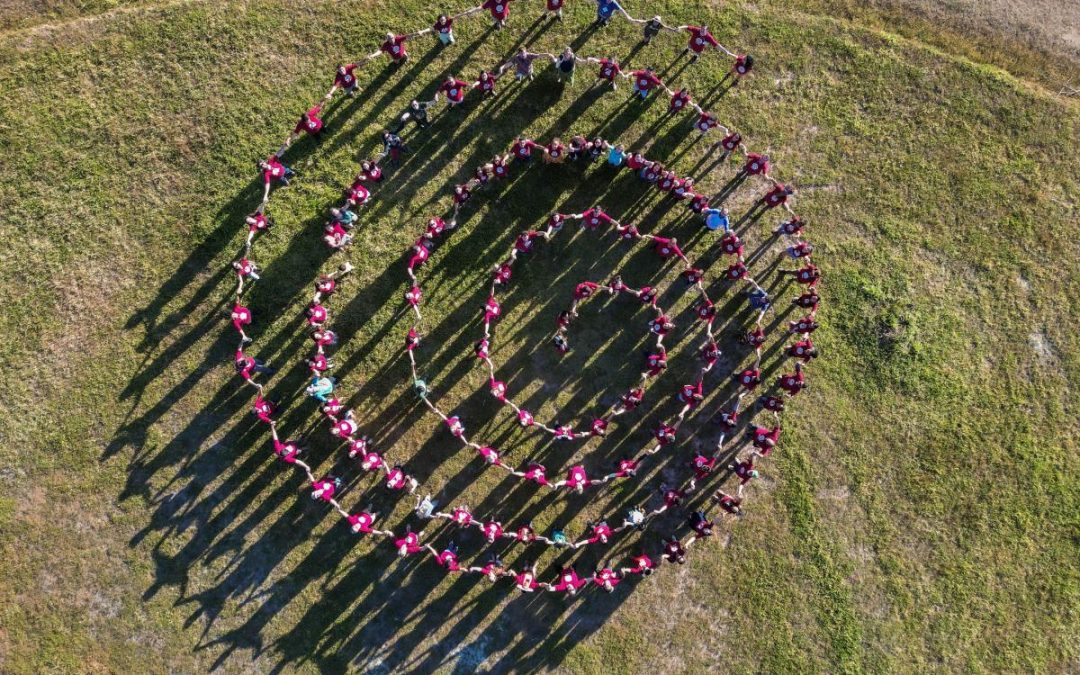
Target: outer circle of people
[{"x": 344, "y": 426}]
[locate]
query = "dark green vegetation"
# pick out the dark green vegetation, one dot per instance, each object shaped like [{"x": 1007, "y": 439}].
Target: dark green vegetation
[{"x": 920, "y": 513}]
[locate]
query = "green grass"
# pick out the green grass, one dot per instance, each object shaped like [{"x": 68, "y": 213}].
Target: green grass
[{"x": 919, "y": 515}]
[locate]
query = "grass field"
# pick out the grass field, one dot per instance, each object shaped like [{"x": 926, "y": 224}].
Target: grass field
[{"x": 920, "y": 514}]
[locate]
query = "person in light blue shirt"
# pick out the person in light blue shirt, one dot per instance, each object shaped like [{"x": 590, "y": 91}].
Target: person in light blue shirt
[
  {"x": 616, "y": 155},
  {"x": 344, "y": 216},
  {"x": 717, "y": 219},
  {"x": 321, "y": 388}
]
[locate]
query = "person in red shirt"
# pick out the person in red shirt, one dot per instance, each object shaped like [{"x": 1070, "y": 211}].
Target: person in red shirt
[
  {"x": 555, "y": 152},
  {"x": 742, "y": 66},
  {"x": 700, "y": 40},
  {"x": 492, "y": 569},
  {"x": 310, "y": 123},
  {"x": 777, "y": 196},
  {"x": 629, "y": 400},
  {"x": 448, "y": 558},
  {"x": 345, "y": 80},
  {"x": 443, "y": 28},
  {"x": 272, "y": 169},
  {"x": 499, "y": 9},
  {"x": 710, "y": 354},
  {"x": 486, "y": 85},
  {"x": 606, "y": 578},
  {"x": 745, "y": 471},
  {"x": 357, "y": 195},
  {"x": 755, "y": 337},
  {"x": 525, "y": 581},
  {"x": 803, "y": 326},
  {"x": 394, "y": 46},
  {"x": 645, "y": 80},
  {"x": 264, "y": 409},
  {"x": 793, "y": 383},
  {"x": 241, "y": 316},
  {"x": 656, "y": 363},
  {"x": 286, "y": 451},
  {"x": 362, "y": 522},
  {"x": 576, "y": 479},
  {"x": 763, "y": 439},
  {"x": 569, "y": 582},
  {"x": 730, "y": 244},
  {"x": 627, "y": 467},
  {"x": 749, "y": 378},
  {"x": 680, "y": 100},
  {"x": 640, "y": 564},
  {"x": 609, "y": 71},
  {"x": 325, "y": 489},
  {"x": 730, "y": 504},
  {"x": 705, "y": 122},
  {"x": 667, "y": 247},
  {"x": 701, "y": 525},
  {"x": 791, "y": 227},
  {"x": 690, "y": 395},
  {"x": 674, "y": 551},
  {"x": 664, "y": 434},
  {"x": 804, "y": 350},
  {"x": 554, "y": 9},
  {"x": 522, "y": 149},
  {"x": 454, "y": 89},
  {"x": 808, "y": 275},
  {"x": 756, "y": 165},
  {"x": 409, "y": 544},
  {"x": 729, "y": 144},
  {"x": 800, "y": 249}
]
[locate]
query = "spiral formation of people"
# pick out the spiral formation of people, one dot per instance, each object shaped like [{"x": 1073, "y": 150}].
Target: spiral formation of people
[
  {"x": 483, "y": 336},
  {"x": 725, "y": 280}
]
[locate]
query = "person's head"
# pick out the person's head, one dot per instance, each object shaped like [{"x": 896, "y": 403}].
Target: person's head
[
  {"x": 443, "y": 19},
  {"x": 365, "y": 165},
  {"x": 704, "y": 28},
  {"x": 748, "y": 60},
  {"x": 386, "y": 135},
  {"x": 568, "y": 52},
  {"x": 390, "y": 37},
  {"x": 523, "y": 52},
  {"x": 414, "y": 104},
  {"x": 449, "y": 78},
  {"x": 341, "y": 70},
  {"x": 656, "y": 19},
  {"x": 484, "y": 76}
]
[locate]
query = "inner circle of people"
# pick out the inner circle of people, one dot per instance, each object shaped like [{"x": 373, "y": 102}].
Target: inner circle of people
[{"x": 691, "y": 495}]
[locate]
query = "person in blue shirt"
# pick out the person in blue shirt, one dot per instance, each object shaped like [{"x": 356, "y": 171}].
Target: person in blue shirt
[
  {"x": 616, "y": 155},
  {"x": 321, "y": 388},
  {"x": 717, "y": 219},
  {"x": 605, "y": 9}
]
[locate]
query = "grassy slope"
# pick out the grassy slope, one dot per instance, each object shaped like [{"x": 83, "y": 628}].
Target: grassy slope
[{"x": 922, "y": 510}]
